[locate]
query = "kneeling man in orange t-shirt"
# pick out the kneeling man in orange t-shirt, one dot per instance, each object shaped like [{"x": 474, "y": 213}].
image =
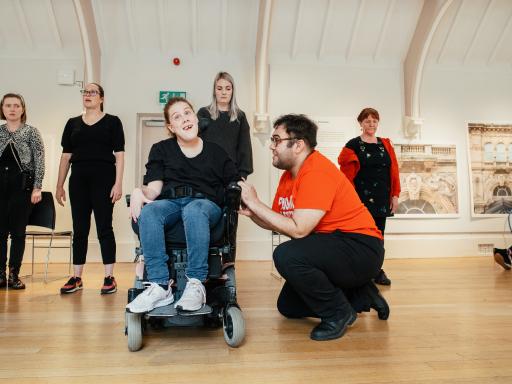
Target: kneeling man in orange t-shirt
[{"x": 336, "y": 248}]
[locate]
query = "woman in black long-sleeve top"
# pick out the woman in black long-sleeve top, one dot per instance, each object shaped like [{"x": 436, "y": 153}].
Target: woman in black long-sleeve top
[
  {"x": 21, "y": 179},
  {"x": 224, "y": 123},
  {"x": 94, "y": 144}
]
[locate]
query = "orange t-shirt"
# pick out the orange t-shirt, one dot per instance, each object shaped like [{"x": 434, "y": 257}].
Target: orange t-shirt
[{"x": 320, "y": 185}]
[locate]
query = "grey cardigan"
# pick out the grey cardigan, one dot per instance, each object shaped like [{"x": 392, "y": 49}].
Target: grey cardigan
[{"x": 28, "y": 143}]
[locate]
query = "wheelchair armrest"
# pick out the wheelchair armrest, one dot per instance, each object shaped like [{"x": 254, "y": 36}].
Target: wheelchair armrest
[
  {"x": 127, "y": 198},
  {"x": 232, "y": 197}
]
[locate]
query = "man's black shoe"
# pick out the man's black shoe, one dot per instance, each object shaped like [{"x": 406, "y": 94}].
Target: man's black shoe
[
  {"x": 378, "y": 302},
  {"x": 381, "y": 278},
  {"x": 502, "y": 257},
  {"x": 333, "y": 329}
]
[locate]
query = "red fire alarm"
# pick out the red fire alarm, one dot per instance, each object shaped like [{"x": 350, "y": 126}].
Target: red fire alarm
[{"x": 176, "y": 61}]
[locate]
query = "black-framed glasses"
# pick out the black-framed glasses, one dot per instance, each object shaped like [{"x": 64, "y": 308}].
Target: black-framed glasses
[
  {"x": 85, "y": 92},
  {"x": 275, "y": 140}
]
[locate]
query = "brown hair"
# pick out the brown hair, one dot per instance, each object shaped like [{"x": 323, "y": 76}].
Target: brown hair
[
  {"x": 170, "y": 103},
  {"x": 20, "y": 98},
  {"x": 365, "y": 113},
  {"x": 102, "y": 94}
]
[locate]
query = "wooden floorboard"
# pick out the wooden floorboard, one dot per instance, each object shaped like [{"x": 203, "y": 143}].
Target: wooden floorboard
[{"x": 451, "y": 322}]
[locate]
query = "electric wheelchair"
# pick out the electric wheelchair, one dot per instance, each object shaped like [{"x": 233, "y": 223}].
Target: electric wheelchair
[{"x": 221, "y": 308}]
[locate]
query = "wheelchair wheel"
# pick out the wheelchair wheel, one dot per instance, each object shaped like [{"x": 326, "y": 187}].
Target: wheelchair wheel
[
  {"x": 134, "y": 331},
  {"x": 234, "y": 326}
]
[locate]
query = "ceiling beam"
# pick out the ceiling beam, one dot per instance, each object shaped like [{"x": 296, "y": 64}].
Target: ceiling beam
[
  {"x": 325, "y": 26},
  {"x": 53, "y": 23},
  {"x": 128, "y": 5},
  {"x": 450, "y": 29},
  {"x": 431, "y": 15},
  {"x": 194, "y": 26},
  {"x": 355, "y": 28},
  {"x": 384, "y": 29},
  {"x": 90, "y": 42},
  {"x": 504, "y": 32},
  {"x": 100, "y": 30},
  {"x": 476, "y": 35},
  {"x": 162, "y": 12},
  {"x": 261, "y": 115},
  {"x": 295, "y": 41},
  {"x": 22, "y": 18}
]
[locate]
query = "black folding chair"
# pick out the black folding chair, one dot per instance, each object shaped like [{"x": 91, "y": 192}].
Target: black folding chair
[{"x": 43, "y": 215}]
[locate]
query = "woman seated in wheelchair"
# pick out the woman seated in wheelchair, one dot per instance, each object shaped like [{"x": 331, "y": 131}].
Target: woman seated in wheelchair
[{"x": 185, "y": 180}]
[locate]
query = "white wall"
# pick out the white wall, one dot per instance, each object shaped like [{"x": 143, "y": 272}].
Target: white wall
[
  {"x": 449, "y": 99},
  {"x": 131, "y": 86}
]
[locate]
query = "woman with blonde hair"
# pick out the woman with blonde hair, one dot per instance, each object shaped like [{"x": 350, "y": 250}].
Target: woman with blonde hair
[{"x": 225, "y": 124}]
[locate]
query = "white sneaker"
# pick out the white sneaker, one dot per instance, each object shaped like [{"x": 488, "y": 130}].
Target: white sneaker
[
  {"x": 193, "y": 298},
  {"x": 152, "y": 297}
]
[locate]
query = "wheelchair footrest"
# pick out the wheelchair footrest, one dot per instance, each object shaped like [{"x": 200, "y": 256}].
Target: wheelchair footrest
[{"x": 170, "y": 311}]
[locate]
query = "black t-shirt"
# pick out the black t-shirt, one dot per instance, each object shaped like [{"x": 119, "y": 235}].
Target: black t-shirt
[
  {"x": 7, "y": 159},
  {"x": 94, "y": 143},
  {"x": 373, "y": 181},
  {"x": 208, "y": 173},
  {"x": 233, "y": 136}
]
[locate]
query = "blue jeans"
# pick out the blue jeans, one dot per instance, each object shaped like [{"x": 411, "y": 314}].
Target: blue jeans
[{"x": 198, "y": 216}]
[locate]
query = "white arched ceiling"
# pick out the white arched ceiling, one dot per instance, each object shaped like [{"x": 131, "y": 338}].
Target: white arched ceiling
[{"x": 470, "y": 33}]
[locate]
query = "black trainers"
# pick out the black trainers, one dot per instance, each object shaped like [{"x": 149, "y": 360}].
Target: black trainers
[
  {"x": 502, "y": 257},
  {"x": 14, "y": 282},
  {"x": 381, "y": 278},
  {"x": 109, "y": 285},
  {"x": 74, "y": 284}
]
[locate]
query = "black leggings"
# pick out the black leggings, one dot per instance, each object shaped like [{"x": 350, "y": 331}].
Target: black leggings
[
  {"x": 15, "y": 208},
  {"x": 89, "y": 191},
  {"x": 327, "y": 273}
]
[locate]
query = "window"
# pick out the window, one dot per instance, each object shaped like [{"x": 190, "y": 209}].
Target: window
[
  {"x": 488, "y": 155},
  {"x": 501, "y": 155},
  {"x": 421, "y": 206},
  {"x": 501, "y": 191}
]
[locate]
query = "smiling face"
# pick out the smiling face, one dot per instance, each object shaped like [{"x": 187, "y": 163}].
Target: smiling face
[
  {"x": 223, "y": 91},
  {"x": 369, "y": 125},
  {"x": 91, "y": 97},
  {"x": 12, "y": 109},
  {"x": 182, "y": 121}
]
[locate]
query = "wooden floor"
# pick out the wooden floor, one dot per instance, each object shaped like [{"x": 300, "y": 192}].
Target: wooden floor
[{"x": 451, "y": 322}]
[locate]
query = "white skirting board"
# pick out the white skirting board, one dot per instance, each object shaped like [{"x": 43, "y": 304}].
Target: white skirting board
[{"x": 399, "y": 246}]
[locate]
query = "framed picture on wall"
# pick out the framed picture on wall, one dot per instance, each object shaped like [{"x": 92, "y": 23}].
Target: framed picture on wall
[
  {"x": 428, "y": 179},
  {"x": 490, "y": 159}
]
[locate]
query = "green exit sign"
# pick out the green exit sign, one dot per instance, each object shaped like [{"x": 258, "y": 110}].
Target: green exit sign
[{"x": 166, "y": 95}]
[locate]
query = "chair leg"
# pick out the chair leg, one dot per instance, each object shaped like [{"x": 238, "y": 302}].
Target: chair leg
[
  {"x": 32, "y": 273},
  {"x": 70, "y": 253},
  {"x": 48, "y": 259}
]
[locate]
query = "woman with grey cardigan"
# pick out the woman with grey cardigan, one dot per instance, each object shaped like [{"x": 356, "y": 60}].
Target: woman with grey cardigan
[{"x": 21, "y": 179}]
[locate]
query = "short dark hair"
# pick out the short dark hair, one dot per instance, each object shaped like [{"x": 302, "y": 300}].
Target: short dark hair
[
  {"x": 22, "y": 102},
  {"x": 299, "y": 127},
  {"x": 368, "y": 112}
]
